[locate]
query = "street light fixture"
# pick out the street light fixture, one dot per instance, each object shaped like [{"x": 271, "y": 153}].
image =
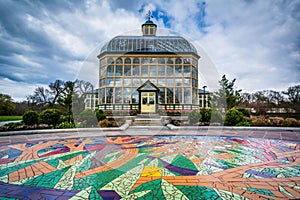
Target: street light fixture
[{"x": 204, "y": 98}]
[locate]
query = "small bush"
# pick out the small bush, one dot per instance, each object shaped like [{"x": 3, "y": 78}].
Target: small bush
[
  {"x": 50, "y": 117},
  {"x": 103, "y": 123},
  {"x": 13, "y": 125},
  {"x": 193, "y": 117},
  {"x": 291, "y": 122},
  {"x": 275, "y": 121},
  {"x": 205, "y": 115},
  {"x": 100, "y": 115},
  {"x": 244, "y": 123},
  {"x": 233, "y": 117},
  {"x": 259, "y": 122},
  {"x": 30, "y": 118},
  {"x": 65, "y": 125},
  {"x": 245, "y": 112}
]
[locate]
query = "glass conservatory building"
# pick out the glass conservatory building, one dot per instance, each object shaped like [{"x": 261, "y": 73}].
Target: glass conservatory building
[{"x": 148, "y": 73}]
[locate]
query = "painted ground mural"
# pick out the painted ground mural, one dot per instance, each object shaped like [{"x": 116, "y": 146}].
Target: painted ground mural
[{"x": 170, "y": 167}]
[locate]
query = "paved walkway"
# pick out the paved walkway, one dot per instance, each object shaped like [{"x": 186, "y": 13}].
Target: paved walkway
[{"x": 151, "y": 162}]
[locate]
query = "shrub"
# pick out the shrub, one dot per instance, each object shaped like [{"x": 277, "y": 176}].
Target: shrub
[
  {"x": 50, "y": 117},
  {"x": 245, "y": 112},
  {"x": 103, "y": 123},
  {"x": 193, "y": 117},
  {"x": 13, "y": 125},
  {"x": 290, "y": 122},
  {"x": 243, "y": 124},
  {"x": 65, "y": 125},
  {"x": 100, "y": 115},
  {"x": 88, "y": 117},
  {"x": 233, "y": 117},
  {"x": 30, "y": 118},
  {"x": 275, "y": 121},
  {"x": 205, "y": 115},
  {"x": 259, "y": 122}
]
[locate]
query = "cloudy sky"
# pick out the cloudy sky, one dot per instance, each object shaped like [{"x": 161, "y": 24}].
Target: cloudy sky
[{"x": 257, "y": 42}]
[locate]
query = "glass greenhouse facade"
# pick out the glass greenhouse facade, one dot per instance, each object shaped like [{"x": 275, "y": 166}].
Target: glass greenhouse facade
[{"x": 148, "y": 73}]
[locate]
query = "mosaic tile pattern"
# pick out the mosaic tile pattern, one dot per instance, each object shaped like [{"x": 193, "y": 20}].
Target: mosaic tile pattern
[{"x": 169, "y": 167}]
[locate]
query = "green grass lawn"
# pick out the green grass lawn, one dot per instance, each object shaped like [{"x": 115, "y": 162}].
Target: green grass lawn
[{"x": 10, "y": 118}]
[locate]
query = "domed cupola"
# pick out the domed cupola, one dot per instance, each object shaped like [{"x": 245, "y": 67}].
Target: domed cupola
[{"x": 149, "y": 28}]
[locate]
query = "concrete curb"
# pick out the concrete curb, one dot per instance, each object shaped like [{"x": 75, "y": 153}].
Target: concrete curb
[
  {"x": 171, "y": 127},
  {"x": 236, "y": 128}
]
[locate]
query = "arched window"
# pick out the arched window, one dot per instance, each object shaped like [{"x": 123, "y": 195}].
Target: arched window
[
  {"x": 136, "y": 61},
  {"x": 119, "y": 60},
  {"x": 178, "y": 61},
  {"x": 127, "y": 60},
  {"x": 161, "y": 61},
  {"x": 170, "y": 61}
]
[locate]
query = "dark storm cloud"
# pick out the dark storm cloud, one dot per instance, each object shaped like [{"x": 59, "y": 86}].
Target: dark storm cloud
[{"x": 27, "y": 51}]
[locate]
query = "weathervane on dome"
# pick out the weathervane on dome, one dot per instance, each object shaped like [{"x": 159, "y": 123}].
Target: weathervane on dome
[{"x": 149, "y": 15}]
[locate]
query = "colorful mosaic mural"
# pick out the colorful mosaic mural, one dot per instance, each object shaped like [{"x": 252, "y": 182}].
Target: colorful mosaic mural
[{"x": 172, "y": 167}]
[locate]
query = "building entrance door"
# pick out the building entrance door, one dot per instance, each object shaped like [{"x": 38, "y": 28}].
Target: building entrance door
[{"x": 148, "y": 102}]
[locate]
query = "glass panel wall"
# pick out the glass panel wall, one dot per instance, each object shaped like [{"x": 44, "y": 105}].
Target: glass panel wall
[{"x": 120, "y": 76}]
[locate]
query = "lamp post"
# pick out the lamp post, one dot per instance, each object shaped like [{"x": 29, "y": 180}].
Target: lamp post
[{"x": 204, "y": 98}]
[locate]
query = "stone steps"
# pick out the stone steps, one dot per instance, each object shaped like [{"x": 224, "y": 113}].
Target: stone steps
[{"x": 146, "y": 122}]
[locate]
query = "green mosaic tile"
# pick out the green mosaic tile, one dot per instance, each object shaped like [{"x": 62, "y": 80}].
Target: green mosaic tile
[
  {"x": 155, "y": 190},
  {"x": 226, "y": 164},
  {"x": 260, "y": 191},
  {"x": 183, "y": 162},
  {"x": 125, "y": 182},
  {"x": 94, "y": 194},
  {"x": 7, "y": 169},
  {"x": 47, "y": 180}
]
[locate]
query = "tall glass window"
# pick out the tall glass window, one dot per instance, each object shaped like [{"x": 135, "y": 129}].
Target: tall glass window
[
  {"x": 187, "y": 95},
  {"x": 135, "y": 96},
  {"x": 119, "y": 82},
  {"x": 118, "y": 96},
  {"x": 110, "y": 70},
  {"x": 187, "y": 71},
  {"x": 127, "y": 70},
  {"x": 102, "y": 96},
  {"x": 161, "y": 95},
  {"x": 178, "y": 70},
  {"x": 110, "y": 82},
  {"x": 186, "y": 82},
  {"x": 109, "y": 95},
  {"x": 178, "y": 95},
  {"x": 136, "y": 70},
  {"x": 144, "y": 71},
  {"x": 170, "y": 71},
  {"x": 119, "y": 70},
  {"x": 152, "y": 70},
  {"x": 169, "y": 95},
  {"x": 161, "y": 70},
  {"x": 127, "y": 82},
  {"x": 170, "y": 82},
  {"x": 126, "y": 95},
  {"x": 178, "y": 81}
]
